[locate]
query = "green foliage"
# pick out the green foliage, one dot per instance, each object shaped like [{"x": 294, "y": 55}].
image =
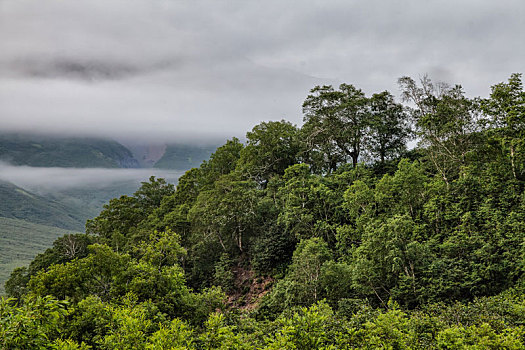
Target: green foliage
[
  {"x": 223, "y": 275},
  {"x": 272, "y": 147},
  {"x": 389, "y": 330},
  {"x": 336, "y": 280},
  {"x": 161, "y": 249},
  {"x": 303, "y": 282},
  {"x": 272, "y": 251},
  {"x": 128, "y": 327},
  {"x": 65, "y": 249},
  {"x": 30, "y": 325},
  {"x": 89, "y": 321},
  {"x": 311, "y": 205},
  {"x": 506, "y": 108},
  {"x": 222, "y": 162},
  {"x": 226, "y": 213},
  {"x": 219, "y": 335},
  {"x": 119, "y": 217},
  {"x": 388, "y": 127},
  {"x": 20, "y": 242},
  {"x": 149, "y": 196},
  {"x": 101, "y": 273},
  {"x": 446, "y": 123},
  {"x": 308, "y": 328},
  {"x": 335, "y": 124},
  {"x": 200, "y": 305},
  {"x": 69, "y": 345},
  {"x": 298, "y": 201},
  {"x": 223, "y": 220},
  {"x": 390, "y": 257},
  {"x": 425, "y": 252},
  {"x": 174, "y": 336},
  {"x": 118, "y": 224},
  {"x": 342, "y": 125},
  {"x": 479, "y": 337}
]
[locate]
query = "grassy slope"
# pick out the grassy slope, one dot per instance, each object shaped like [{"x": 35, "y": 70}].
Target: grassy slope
[
  {"x": 17, "y": 203},
  {"x": 21, "y": 241},
  {"x": 92, "y": 199},
  {"x": 43, "y": 151},
  {"x": 183, "y": 157},
  {"x": 29, "y": 223}
]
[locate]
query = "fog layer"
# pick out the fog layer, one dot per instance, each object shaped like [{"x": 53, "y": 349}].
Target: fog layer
[{"x": 57, "y": 179}]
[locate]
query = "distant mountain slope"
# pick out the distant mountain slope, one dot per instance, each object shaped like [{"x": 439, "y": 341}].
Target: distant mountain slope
[
  {"x": 92, "y": 199},
  {"x": 20, "y": 242},
  {"x": 183, "y": 157},
  {"x": 17, "y": 203},
  {"x": 147, "y": 154},
  {"x": 29, "y": 222},
  {"x": 45, "y": 151}
]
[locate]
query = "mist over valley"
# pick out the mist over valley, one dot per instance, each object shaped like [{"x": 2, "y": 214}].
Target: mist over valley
[{"x": 52, "y": 179}]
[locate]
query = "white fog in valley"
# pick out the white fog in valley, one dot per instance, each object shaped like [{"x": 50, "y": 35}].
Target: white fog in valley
[{"x": 42, "y": 180}]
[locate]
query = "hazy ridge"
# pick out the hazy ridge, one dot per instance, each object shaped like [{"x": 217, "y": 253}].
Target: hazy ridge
[{"x": 46, "y": 151}]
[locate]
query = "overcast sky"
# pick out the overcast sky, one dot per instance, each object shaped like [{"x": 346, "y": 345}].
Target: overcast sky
[{"x": 195, "y": 70}]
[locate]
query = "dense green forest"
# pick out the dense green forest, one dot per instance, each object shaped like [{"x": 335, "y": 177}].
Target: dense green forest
[{"x": 332, "y": 235}]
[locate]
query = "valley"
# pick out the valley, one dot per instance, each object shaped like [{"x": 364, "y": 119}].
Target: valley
[{"x": 50, "y": 186}]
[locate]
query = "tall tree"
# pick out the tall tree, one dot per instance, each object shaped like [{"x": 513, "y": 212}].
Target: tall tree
[
  {"x": 335, "y": 124},
  {"x": 389, "y": 127},
  {"x": 226, "y": 213},
  {"x": 272, "y": 147},
  {"x": 446, "y": 123},
  {"x": 506, "y": 107}
]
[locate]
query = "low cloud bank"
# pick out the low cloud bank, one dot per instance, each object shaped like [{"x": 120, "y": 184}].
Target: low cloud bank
[{"x": 57, "y": 179}]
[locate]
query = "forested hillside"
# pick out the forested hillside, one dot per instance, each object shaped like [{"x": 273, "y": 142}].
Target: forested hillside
[
  {"x": 332, "y": 235},
  {"x": 17, "y": 203},
  {"x": 49, "y": 151},
  {"x": 183, "y": 156}
]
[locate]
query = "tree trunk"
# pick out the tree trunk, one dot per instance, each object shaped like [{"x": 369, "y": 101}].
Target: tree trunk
[
  {"x": 355, "y": 156},
  {"x": 512, "y": 151}
]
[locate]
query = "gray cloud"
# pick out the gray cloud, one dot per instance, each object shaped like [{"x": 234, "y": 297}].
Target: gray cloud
[
  {"x": 68, "y": 68},
  {"x": 181, "y": 70}
]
